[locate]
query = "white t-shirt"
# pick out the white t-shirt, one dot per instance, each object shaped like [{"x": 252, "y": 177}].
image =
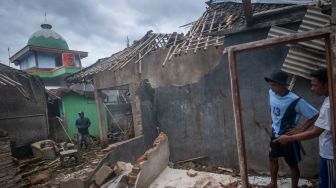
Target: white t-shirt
[{"x": 325, "y": 139}]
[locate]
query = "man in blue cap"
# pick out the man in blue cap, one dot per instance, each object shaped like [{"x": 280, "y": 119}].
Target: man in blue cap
[
  {"x": 83, "y": 123},
  {"x": 286, "y": 109}
]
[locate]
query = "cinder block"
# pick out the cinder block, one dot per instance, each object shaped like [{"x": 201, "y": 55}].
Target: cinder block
[{"x": 103, "y": 174}]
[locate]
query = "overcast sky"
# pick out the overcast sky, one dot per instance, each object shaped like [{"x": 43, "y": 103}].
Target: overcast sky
[{"x": 99, "y": 27}]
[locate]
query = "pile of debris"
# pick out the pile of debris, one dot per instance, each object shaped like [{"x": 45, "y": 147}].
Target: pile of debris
[
  {"x": 54, "y": 162},
  {"x": 8, "y": 170}
]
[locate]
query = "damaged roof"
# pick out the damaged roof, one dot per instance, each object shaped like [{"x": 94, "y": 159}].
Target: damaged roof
[
  {"x": 10, "y": 77},
  {"x": 139, "y": 49},
  {"x": 219, "y": 19}
]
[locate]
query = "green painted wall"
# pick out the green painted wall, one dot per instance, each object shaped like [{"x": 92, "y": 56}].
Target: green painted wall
[{"x": 74, "y": 103}]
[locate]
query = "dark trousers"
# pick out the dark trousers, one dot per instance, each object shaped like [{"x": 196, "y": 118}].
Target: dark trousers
[{"x": 83, "y": 139}]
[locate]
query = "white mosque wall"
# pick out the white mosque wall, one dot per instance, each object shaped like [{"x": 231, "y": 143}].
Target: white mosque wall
[{"x": 28, "y": 62}]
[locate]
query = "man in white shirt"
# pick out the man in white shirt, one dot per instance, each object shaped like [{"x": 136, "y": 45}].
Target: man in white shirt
[{"x": 322, "y": 128}]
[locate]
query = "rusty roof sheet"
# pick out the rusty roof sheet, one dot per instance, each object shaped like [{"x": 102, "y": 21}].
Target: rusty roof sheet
[{"x": 305, "y": 57}]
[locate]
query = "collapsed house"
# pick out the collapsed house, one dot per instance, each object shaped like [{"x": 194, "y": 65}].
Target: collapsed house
[
  {"x": 180, "y": 84},
  {"x": 23, "y": 111}
]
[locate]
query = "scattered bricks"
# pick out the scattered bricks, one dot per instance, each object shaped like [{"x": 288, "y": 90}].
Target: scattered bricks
[
  {"x": 131, "y": 179},
  {"x": 191, "y": 173},
  {"x": 103, "y": 174},
  {"x": 136, "y": 170}
]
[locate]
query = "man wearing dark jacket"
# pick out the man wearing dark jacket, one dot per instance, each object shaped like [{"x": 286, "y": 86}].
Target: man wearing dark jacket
[{"x": 83, "y": 124}]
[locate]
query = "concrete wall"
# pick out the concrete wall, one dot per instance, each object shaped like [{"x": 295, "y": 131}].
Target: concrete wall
[
  {"x": 24, "y": 119},
  {"x": 191, "y": 102},
  {"x": 127, "y": 151},
  {"x": 155, "y": 161}
]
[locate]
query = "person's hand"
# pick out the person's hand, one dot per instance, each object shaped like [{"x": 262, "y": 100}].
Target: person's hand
[
  {"x": 283, "y": 139},
  {"x": 294, "y": 131}
]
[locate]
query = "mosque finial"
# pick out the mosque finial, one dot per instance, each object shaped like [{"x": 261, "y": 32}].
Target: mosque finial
[{"x": 45, "y": 25}]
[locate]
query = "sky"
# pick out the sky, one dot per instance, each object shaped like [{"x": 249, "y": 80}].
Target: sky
[{"x": 99, "y": 27}]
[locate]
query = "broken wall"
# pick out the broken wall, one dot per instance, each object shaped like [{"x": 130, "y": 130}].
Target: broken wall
[
  {"x": 24, "y": 119},
  {"x": 191, "y": 102},
  {"x": 126, "y": 151}
]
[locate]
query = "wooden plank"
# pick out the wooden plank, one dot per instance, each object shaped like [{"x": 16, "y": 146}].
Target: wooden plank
[
  {"x": 282, "y": 40},
  {"x": 238, "y": 119}
]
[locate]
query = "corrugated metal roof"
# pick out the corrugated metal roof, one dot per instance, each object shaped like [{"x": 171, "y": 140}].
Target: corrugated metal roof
[{"x": 305, "y": 57}]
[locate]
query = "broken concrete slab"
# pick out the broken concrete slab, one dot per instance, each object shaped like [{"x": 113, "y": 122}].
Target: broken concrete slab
[
  {"x": 103, "y": 174},
  {"x": 126, "y": 151},
  {"x": 153, "y": 162}
]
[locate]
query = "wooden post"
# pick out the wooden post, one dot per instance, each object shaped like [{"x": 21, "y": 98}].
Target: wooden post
[
  {"x": 247, "y": 7},
  {"x": 330, "y": 58},
  {"x": 101, "y": 119},
  {"x": 237, "y": 118}
]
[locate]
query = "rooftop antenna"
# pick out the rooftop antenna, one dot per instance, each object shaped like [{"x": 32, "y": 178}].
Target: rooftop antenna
[
  {"x": 127, "y": 42},
  {"x": 45, "y": 17},
  {"x": 8, "y": 56}
]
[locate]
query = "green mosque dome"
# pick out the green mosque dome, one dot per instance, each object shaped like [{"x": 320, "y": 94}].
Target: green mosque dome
[{"x": 47, "y": 38}]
